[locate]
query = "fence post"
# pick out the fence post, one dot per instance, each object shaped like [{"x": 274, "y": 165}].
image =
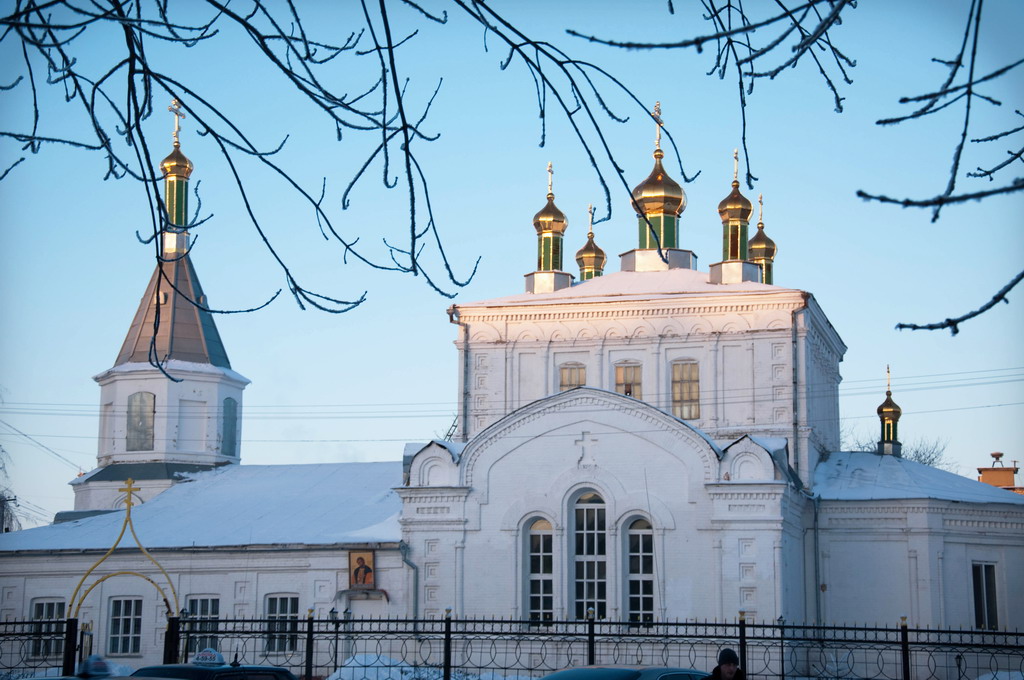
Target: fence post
[
  {"x": 309, "y": 644},
  {"x": 591, "y": 637},
  {"x": 447, "y": 672},
  {"x": 743, "y": 640},
  {"x": 782, "y": 648},
  {"x": 905, "y": 647},
  {"x": 171, "y": 639},
  {"x": 70, "y": 646}
]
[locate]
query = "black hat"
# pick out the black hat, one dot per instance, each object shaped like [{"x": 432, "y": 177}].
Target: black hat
[{"x": 728, "y": 656}]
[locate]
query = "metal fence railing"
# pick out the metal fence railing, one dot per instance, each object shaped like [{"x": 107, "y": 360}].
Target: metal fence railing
[{"x": 465, "y": 649}]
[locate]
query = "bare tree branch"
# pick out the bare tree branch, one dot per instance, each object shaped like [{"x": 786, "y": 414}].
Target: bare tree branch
[{"x": 953, "y": 324}]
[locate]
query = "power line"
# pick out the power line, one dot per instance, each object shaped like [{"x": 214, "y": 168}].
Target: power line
[{"x": 41, "y": 445}]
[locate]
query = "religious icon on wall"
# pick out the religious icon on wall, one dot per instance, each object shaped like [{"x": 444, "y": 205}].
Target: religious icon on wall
[{"x": 360, "y": 569}]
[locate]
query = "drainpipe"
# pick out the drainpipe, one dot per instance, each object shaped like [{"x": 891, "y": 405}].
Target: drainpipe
[
  {"x": 796, "y": 387},
  {"x": 815, "y": 501},
  {"x": 453, "y": 317},
  {"x": 403, "y": 548}
]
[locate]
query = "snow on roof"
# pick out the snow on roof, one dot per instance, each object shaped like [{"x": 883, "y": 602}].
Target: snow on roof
[
  {"x": 246, "y": 505},
  {"x": 864, "y": 475},
  {"x": 627, "y": 286}
]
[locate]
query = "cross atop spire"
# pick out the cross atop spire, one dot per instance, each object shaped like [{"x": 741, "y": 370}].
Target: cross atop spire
[
  {"x": 656, "y": 115},
  {"x": 175, "y": 108},
  {"x": 888, "y": 380},
  {"x": 760, "y": 208},
  {"x": 736, "y": 165},
  {"x": 590, "y": 211}
]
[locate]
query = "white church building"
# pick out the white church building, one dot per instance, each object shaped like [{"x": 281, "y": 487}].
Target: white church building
[{"x": 657, "y": 443}]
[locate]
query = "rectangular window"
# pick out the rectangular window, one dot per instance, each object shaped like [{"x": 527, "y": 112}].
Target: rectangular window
[
  {"x": 283, "y": 629},
  {"x": 141, "y": 412},
  {"x": 203, "y": 612},
  {"x": 627, "y": 380},
  {"x": 640, "y": 558},
  {"x": 686, "y": 390},
  {"x": 571, "y": 375},
  {"x": 590, "y": 573},
  {"x": 48, "y": 639},
  {"x": 986, "y": 617},
  {"x": 125, "y": 627},
  {"x": 542, "y": 585}
]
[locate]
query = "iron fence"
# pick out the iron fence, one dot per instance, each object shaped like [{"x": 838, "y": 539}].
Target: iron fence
[{"x": 492, "y": 649}]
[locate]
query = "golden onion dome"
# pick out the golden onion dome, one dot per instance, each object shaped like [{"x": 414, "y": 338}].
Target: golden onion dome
[
  {"x": 176, "y": 164},
  {"x": 735, "y": 206},
  {"x": 889, "y": 408},
  {"x": 761, "y": 247},
  {"x": 659, "y": 194},
  {"x": 590, "y": 255},
  {"x": 550, "y": 218}
]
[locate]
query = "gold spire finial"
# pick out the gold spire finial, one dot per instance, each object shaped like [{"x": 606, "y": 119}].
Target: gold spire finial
[
  {"x": 760, "y": 210},
  {"x": 736, "y": 165},
  {"x": 888, "y": 380},
  {"x": 551, "y": 174},
  {"x": 175, "y": 108},
  {"x": 656, "y": 115},
  {"x": 590, "y": 229}
]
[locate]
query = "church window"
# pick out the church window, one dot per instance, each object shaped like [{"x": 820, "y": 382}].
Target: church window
[
  {"x": 640, "y": 562},
  {"x": 125, "y": 626},
  {"x": 48, "y": 639},
  {"x": 229, "y": 445},
  {"x": 571, "y": 375},
  {"x": 686, "y": 390},
  {"x": 141, "y": 411},
  {"x": 590, "y": 557},
  {"x": 985, "y": 615},
  {"x": 541, "y": 605},
  {"x": 627, "y": 380},
  {"x": 283, "y": 627},
  {"x": 203, "y": 612}
]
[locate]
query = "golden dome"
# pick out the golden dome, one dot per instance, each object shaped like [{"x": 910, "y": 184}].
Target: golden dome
[
  {"x": 590, "y": 256},
  {"x": 889, "y": 408},
  {"x": 550, "y": 219},
  {"x": 735, "y": 206},
  {"x": 176, "y": 164},
  {"x": 761, "y": 247},
  {"x": 659, "y": 194}
]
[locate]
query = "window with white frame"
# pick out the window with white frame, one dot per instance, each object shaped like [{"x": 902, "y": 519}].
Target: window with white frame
[
  {"x": 571, "y": 375},
  {"x": 203, "y": 613},
  {"x": 283, "y": 629},
  {"x": 590, "y": 557},
  {"x": 541, "y": 598},
  {"x": 229, "y": 443},
  {"x": 141, "y": 413},
  {"x": 640, "y": 566},
  {"x": 986, "y": 615},
  {"x": 125, "y": 630},
  {"x": 686, "y": 390},
  {"x": 628, "y": 380},
  {"x": 48, "y": 615}
]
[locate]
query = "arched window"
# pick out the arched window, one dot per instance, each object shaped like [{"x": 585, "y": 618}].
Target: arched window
[
  {"x": 141, "y": 409},
  {"x": 570, "y": 375},
  {"x": 686, "y": 390},
  {"x": 229, "y": 445},
  {"x": 640, "y": 565},
  {"x": 590, "y": 556},
  {"x": 628, "y": 378},
  {"x": 541, "y": 598}
]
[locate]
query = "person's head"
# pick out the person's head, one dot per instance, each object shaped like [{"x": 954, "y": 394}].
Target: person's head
[
  {"x": 728, "y": 662},
  {"x": 360, "y": 561}
]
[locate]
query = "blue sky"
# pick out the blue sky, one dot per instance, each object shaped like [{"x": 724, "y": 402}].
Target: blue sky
[{"x": 357, "y": 386}]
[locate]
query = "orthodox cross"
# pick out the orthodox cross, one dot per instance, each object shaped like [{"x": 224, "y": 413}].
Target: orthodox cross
[
  {"x": 175, "y": 108},
  {"x": 760, "y": 209},
  {"x": 590, "y": 210},
  {"x": 586, "y": 457},
  {"x": 888, "y": 379},
  {"x": 129, "y": 489},
  {"x": 735, "y": 165},
  {"x": 551, "y": 173},
  {"x": 656, "y": 115}
]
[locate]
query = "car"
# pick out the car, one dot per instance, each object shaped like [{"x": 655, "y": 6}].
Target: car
[
  {"x": 209, "y": 665},
  {"x": 627, "y": 672}
]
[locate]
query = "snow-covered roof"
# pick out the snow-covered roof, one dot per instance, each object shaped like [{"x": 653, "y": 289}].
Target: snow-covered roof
[
  {"x": 863, "y": 475},
  {"x": 246, "y": 505},
  {"x": 634, "y": 286}
]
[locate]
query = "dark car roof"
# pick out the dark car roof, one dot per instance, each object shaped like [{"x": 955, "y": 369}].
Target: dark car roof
[
  {"x": 187, "y": 671},
  {"x": 627, "y": 673}
]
